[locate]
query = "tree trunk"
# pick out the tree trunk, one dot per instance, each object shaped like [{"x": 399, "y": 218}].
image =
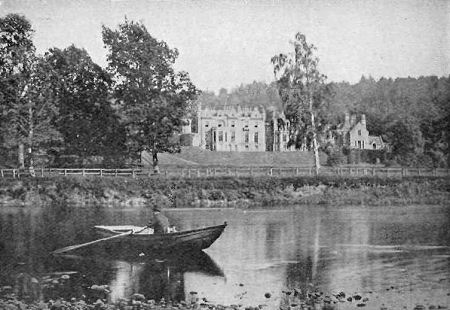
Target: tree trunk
[
  {"x": 30, "y": 142},
  {"x": 155, "y": 162},
  {"x": 21, "y": 156},
  {"x": 314, "y": 138}
]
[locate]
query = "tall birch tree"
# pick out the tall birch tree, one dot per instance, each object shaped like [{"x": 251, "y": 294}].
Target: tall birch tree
[{"x": 300, "y": 85}]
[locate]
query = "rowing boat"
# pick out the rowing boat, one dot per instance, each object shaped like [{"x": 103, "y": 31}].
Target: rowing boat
[{"x": 143, "y": 240}]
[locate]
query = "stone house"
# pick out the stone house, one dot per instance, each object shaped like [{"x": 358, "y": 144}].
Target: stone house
[
  {"x": 353, "y": 134},
  {"x": 237, "y": 129},
  {"x": 232, "y": 129}
]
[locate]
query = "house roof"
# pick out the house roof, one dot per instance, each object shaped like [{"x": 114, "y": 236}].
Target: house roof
[{"x": 376, "y": 139}]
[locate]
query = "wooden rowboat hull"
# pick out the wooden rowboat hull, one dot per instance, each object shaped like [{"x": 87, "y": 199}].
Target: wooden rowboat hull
[{"x": 190, "y": 240}]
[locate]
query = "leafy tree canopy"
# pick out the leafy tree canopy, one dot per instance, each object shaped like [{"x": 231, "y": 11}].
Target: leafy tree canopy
[
  {"x": 153, "y": 98},
  {"x": 87, "y": 120},
  {"x": 26, "y": 104}
]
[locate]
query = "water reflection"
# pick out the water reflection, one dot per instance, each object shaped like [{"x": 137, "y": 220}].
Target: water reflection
[
  {"x": 116, "y": 279},
  {"x": 96, "y": 277},
  {"x": 397, "y": 255}
]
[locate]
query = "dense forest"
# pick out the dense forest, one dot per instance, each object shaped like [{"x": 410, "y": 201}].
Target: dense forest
[{"x": 61, "y": 105}]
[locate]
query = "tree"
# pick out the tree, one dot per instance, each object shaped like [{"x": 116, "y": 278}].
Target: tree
[
  {"x": 27, "y": 107},
  {"x": 153, "y": 97},
  {"x": 301, "y": 87},
  {"x": 87, "y": 120}
]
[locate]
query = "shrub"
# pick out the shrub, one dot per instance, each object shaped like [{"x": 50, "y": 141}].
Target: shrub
[{"x": 336, "y": 158}]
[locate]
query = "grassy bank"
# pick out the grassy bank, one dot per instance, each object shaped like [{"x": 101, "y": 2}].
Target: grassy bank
[{"x": 225, "y": 191}]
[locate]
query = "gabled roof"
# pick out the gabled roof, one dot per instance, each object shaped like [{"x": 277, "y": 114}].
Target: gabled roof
[{"x": 376, "y": 139}]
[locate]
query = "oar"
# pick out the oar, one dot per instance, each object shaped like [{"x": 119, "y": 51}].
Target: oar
[{"x": 77, "y": 246}]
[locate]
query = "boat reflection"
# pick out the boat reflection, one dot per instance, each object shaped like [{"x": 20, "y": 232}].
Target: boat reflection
[{"x": 117, "y": 278}]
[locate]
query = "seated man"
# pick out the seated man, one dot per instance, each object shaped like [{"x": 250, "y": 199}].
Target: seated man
[{"x": 159, "y": 222}]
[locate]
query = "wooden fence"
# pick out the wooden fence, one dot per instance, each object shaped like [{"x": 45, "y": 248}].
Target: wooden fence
[{"x": 228, "y": 171}]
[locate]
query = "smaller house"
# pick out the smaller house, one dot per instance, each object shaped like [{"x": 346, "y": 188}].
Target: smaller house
[{"x": 353, "y": 134}]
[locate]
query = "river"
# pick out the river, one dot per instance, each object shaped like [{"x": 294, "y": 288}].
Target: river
[{"x": 397, "y": 256}]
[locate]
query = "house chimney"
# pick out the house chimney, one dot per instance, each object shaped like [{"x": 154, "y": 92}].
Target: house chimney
[
  {"x": 363, "y": 120},
  {"x": 353, "y": 120},
  {"x": 347, "y": 120}
]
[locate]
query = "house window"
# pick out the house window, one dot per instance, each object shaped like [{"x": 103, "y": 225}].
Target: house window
[
  {"x": 246, "y": 137},
  {"x": 233, "y": 136},
  {"x": 359, "y": 132},
  {"x": 226, "y": 137},
  {"x": 256, "y": 137},
  {"x": 284, "y": 138},
  {"x": 207, "y": 124},
  {"x": 220, "y": 125},
  {"x": 232, "y": 124},
  {"x": 256, "y": 126},
  {"x": 246, "y": 147},
  {"x": 374, "y": 146},
  {"x": 359, "y": 144},
  {"x": 363, "y": 144},
  {"x": 220, "y": 136}
]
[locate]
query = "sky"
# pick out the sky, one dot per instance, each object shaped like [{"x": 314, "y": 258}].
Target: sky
[{"x": 225, "y": 43}]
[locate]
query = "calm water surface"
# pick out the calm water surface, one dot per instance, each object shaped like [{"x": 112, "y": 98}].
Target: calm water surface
[{"x": 396, "y": 256}]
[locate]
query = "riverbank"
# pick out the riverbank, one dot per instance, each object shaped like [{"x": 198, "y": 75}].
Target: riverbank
[
  {"x": 224, "y": 191},
  {"x": 295, "y": 299}
]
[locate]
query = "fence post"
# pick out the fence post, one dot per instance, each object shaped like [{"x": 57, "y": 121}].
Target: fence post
[
  {"x": 310, "y": 171},
  {"x": 236, "y": 171},
  {"x": 101, "y": 172},
  {"x": 83, "y": 173},
  {"x": 271, "y": 171},
  {"x": 115, "y": 172},
  {"x": 419, "y": 172},
  {"x": 65, "y": 172},
  {"x": 42, "y": 172},
  {"x": 296, "y": 171},
  {"x": 132, "y": 173},
  {"x": 2, "y": 173},
  {"x": 189, "y": 172},
  {"x": 215, "y": 171}
]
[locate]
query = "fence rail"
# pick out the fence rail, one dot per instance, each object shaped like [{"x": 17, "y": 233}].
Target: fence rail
[{"x": 228, "y": 171}]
